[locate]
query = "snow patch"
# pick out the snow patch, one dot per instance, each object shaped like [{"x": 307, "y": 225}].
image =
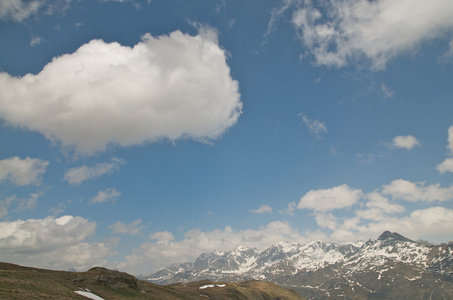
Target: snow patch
[
  {"x": 87, "y": 293},
  {"x": 206, "y": 286}
]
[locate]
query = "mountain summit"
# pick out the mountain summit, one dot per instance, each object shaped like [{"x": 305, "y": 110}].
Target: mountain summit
[
  {"x": 389, "y": 267},
  {"x": 387, "y": 235}
]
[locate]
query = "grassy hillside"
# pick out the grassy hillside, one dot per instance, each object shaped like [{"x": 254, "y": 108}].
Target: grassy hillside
[{"x": 17, "y": 282}]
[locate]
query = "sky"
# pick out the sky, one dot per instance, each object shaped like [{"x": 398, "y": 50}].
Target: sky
[{"x": 138, "y": 134}]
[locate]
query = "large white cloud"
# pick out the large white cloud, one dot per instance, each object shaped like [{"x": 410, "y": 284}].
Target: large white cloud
[
  {"x": 173, "y": 86},
  {"x": 339, "y": 31},
  {"x": 52, "y": 243},
  {"x": 22, "y": 171},
  {"x": 323, "y": 200}
]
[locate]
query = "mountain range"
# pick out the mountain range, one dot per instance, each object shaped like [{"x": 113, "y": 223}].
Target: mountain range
[{"x": 389, "y": 267}]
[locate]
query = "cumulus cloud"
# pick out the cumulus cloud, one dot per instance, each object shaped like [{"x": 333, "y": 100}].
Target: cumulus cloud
[
  {"x": 262, "y": 209},
  {"x": 337, "y": 32},
  {"x": 22, "y": 172},
  {"x": 102, "y": 196},
  {"x": 407, "y": 142},
  {"x": 166, "y": 250},
  {"x": 417, "y": 191},
  {"x": 172, "y": 86},
  {"x": 314, "y": 126},
  {"x": 133, "y": 228},
  {"x": 447, "y": 164},
  {"x": 56, "y": 243},
  {"x": 78, "y": 175},
  {"x": 324, "y": 200}
]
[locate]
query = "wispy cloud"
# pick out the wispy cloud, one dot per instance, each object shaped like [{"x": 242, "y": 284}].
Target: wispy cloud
[
  {"x": 109, "y": 194},
  {"x": 314, "y": 126},
  {"x": 78, "y": 175},
  {"x": 133, "y": 228}
]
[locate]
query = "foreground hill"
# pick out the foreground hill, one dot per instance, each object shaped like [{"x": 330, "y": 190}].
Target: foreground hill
[
  {"x": 18, "y": 282},
  {"x": 390, "y": 267}
]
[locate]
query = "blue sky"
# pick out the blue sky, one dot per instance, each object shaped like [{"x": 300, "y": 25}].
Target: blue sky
[{"x": 136, "y": 134}]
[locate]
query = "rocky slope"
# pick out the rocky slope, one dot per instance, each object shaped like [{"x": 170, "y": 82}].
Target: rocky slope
[
  {"x": 390, "y": 267},
  {"x": 18, "y": 282}
]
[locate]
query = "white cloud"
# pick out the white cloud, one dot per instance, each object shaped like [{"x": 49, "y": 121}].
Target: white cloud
[
  {"x": 56, "y": 243},
  {"x": 418, "y": 224},
  {"x": 407, "y": 142},
  {"x": 447, "y": 164},
  {"x": 162, "y": 236},
  {"x": 323, "y": 200},
  {"x": 175, "y": 86},
  {"x": 410, "y": 191},
  {"x": 326, "y": 220},
  {"x": 131, "y": 228},
  {"x": 78, "y": 175},
  {"x": 314, "y": 126},
  {"x": 109, "y": 194},
  {"x": 376, "y": 200},
  {"x": 166, "y": 250},
  {"x": 23, "y": 171},
  {"x": 36, "y": 40},
  {"x": 336, "y": 32},
  {"x": 263, "y": 209},
  {"x": 19, "y": 10}
]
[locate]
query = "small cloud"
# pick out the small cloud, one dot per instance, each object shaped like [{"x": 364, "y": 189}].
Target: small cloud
[
  {"x": 365, "y": 158},
  {"x": 109, "y": 194},
  {"x": 78, "y": 24},
  {"x": 408, "y": 142},
  {"x": 447, "y": 164},
  {"x": 324, "y": 200},
  {"x": 262, "y": 209},
  {"x": 387, "y": 92},
  {"x": 36, "y": 40},
  {"x": 22, "y": 172},
  {"x": 78, "y": 175},
  {"x": 314, "y": 126},
  {"x": 131, "y": 228}
]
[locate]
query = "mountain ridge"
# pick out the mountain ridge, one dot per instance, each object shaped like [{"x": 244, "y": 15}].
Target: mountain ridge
[{"x": 319, "y": 269}]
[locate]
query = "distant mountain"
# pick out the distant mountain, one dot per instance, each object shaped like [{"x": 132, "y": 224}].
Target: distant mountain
[
  {"x": 390, "y": 267},
  {"x": 18, "y": 282}
]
